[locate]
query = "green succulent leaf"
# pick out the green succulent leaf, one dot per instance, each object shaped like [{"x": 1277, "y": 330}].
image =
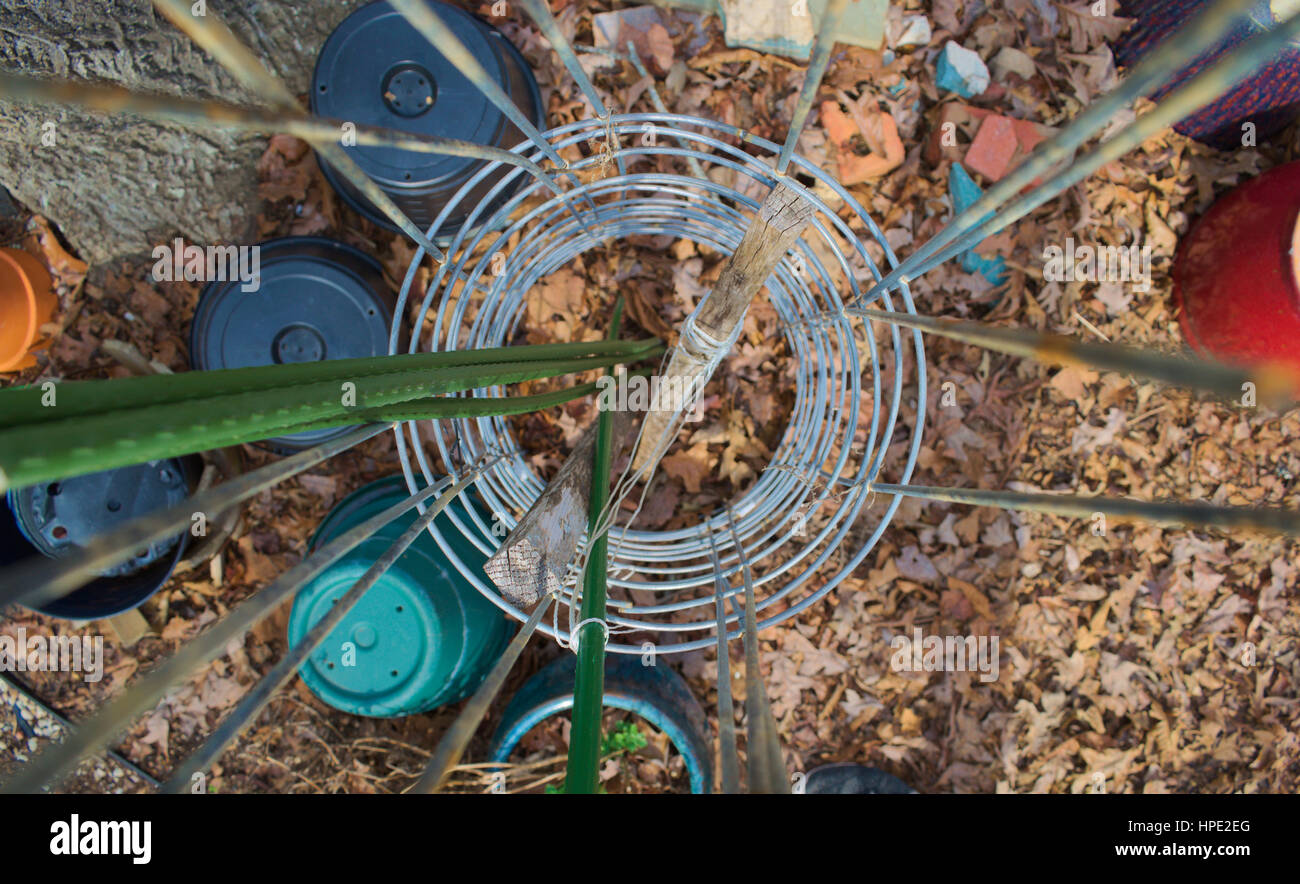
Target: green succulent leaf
[{"x": 84, "y": 426}]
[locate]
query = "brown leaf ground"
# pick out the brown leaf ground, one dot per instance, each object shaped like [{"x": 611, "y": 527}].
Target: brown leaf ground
[{"x": 1138, "y": 660}]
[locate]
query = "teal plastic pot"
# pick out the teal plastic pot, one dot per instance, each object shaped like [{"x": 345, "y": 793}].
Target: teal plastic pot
[
  {"x": 421, "y": 637},
  {"x": 656, "y": 693}
]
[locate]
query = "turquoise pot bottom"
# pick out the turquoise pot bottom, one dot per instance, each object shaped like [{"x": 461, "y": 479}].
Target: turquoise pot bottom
[{"x": 421, "y": 637}]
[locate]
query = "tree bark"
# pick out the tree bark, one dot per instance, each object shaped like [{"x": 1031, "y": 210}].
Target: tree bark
[{"x": 118, "y": 186}]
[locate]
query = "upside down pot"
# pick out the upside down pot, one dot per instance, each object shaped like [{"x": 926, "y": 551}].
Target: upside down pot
[
  {"x": 375, "y": 69},
  {"x": 420, "y": 637},
  {"x": 56, "y": 518},
  {"x": 316, "y": 299}
]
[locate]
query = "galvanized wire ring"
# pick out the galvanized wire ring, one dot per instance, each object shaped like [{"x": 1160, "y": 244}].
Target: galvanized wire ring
[{"x": 818, "y": 466}]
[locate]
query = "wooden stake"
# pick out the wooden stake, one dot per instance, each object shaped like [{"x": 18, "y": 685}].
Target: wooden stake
[
  {"x": 780, "y": 221},
  {"x": 535, "y": 556}
]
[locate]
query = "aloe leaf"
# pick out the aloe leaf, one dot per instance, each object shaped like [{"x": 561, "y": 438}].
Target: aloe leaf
[
  {"x": 448, "y": 408},
  {"x": 33, "y": 452},
  {"x": 27, "y": 404}
]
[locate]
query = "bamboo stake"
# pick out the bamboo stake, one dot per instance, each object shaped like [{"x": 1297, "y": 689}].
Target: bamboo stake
[
  {"x": 767, "y": 773},
  {"x": 1276, "y": 384},
  {"x": 812, "y": 78},
  {"x": 635, "y": 59},
  {"x": 429, "y": 24},
  {"x": 1152, "y": 72},
  {"x": 728, "y": 758},
  {"x": 540, "y": 12},
  {"x": 1193, "y": 94},
  {"x": 452, "y": 745},
  {"x": 1271, "y": 519},
  {"x": 718, "y": 317}
]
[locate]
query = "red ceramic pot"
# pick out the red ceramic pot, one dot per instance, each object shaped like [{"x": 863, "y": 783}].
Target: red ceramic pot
[{"x": 1235, "y": 273}]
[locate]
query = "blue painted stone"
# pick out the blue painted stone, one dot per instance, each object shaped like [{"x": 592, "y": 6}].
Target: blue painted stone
[
  {"x": 962, "y": 71},
  {"x": 964, "y": 192}
]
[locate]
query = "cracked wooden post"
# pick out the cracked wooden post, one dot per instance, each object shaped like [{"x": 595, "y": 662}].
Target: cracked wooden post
[
  {"x": 534, "y": 558},
  {"x": 719, "y": 316}
]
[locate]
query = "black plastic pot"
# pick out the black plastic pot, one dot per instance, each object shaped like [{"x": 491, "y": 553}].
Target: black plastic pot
[
  {"x": 318, "y": 299},
  {"x": 375, "y": 69},
  {"x": 847, "y": 778},
  {"x": 54, "y": 518}
]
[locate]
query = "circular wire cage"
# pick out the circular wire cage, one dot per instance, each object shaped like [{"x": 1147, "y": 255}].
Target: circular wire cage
[{"x": 858, "y": 390}]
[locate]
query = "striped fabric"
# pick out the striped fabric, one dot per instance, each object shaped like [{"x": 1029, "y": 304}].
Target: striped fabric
[{"x": 1270, "y": 99}]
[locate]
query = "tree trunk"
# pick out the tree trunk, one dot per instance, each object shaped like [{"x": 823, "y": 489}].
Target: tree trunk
[{"x": 119, "y": 185}]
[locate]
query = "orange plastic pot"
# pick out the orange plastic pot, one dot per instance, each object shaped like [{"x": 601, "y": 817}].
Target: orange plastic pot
[{"x": 27, "y": 301}]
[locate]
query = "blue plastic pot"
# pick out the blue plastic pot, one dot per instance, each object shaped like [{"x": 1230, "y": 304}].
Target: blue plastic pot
[
  {"x": 55, "y": 518},
  {"x": 656, "y": 693},
  {"x": 421, "y": 637}
]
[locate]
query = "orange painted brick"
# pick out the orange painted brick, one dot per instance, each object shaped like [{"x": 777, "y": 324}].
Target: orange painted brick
[{"x": 994, "y": 148}]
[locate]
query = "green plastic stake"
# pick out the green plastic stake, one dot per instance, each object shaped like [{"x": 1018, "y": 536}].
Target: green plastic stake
[{"x": 582, "y": 774}]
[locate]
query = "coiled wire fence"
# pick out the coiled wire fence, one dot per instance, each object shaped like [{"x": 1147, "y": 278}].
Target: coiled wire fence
[{"x": 793, "y": 519}]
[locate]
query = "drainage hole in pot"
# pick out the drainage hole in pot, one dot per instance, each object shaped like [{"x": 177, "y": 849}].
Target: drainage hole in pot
[
  {"x": 399, "y": 609},
  {"x": 408, "y": 176},
  {"x": 329, "y": 665},
  {"x": 114, "y": 505},
  {"x": 59, "y": 532},
  {"x": 322, "y": 87},
  {"x": 394, "y": 673}
]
